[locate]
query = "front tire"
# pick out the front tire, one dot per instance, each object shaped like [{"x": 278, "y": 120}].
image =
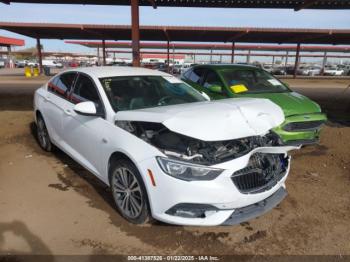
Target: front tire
[
  {"x": 129, "y": 192},
  {"x": 43, "y": 135}
]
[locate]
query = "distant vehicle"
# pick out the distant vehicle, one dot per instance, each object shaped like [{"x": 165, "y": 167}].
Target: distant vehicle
[
  {"x": 52, "y": 63},
  {"x": 20, "y": 63},
  {"x": 266, "y": 67},
  {"x": 176, "y": 69},
  {"x": 279, "y": 70},
  {"x": 309, "y": 70},
  {"x": 303, "y": 116},
  {"x": 186, "y": 66},
  {"x": 73, "y": 64},
  {"x": 333, "y": 71},
  {"x": 346, "y": 68},
  {"x": 2, "y": 63},
  {"x": 23, "y": 63}
]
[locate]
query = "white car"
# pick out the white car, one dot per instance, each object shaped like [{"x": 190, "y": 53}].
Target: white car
[
  {"x": 333, "y": 71},
  {"x": 52, "y": 63},
  {"x": 310, "y": 70},
  {"x": 166, "y": 152}
]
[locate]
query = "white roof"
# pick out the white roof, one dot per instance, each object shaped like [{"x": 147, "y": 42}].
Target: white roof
[{"x": 109, "y": 71}]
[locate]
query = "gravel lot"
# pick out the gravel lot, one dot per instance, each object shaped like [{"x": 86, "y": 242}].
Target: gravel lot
[{"x": 51, "y": 205}]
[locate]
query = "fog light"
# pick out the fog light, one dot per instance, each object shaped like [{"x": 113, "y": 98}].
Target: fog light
[{"x": 188, "y": 210}]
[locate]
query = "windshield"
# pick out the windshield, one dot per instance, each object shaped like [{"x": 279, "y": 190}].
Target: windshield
[
  {"x": 136, "y": 92},
  {"x": 252, "y": 81}
]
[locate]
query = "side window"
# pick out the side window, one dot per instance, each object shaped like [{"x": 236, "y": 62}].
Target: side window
[
  {"x": 196, "y": 75},
  {"x": 212, "y": 79},
  {"x": 62, "y": 84},
  {"x": 187, "y": 73},
  {"x": 85, "y": 90}
]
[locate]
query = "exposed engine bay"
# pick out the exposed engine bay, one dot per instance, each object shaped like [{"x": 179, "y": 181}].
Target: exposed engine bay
[{"x": 194, "y": 150}]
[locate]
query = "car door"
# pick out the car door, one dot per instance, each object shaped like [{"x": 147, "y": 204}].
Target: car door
[
  {"x": 84, "y": 134},
  {"x": 56, "y": 97},
  {"x": 211, "y": 78}
]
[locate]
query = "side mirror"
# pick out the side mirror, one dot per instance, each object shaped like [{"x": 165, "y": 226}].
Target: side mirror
[
  {"x": 215, "y": 89},
  {"x": 85, "y": 108}
]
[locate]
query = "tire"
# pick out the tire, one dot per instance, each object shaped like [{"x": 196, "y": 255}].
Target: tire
[
  {"x": 43, "y": 135},
  {"x": 129, "y": 192}
]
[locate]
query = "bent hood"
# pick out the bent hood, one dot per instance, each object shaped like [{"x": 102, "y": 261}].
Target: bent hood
[
  {"x": 213, "y": 121},
  {"x": 291, "y": 103}
]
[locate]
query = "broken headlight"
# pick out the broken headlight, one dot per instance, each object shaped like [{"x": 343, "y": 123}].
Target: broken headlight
[{"x": 187, "y": 171}]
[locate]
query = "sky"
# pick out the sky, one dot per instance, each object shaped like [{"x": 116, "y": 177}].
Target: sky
[{"x": 92, "y": 14}]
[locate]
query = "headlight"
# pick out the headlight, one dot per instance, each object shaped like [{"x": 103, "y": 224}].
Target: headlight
[{"x": 187, "y": 171}]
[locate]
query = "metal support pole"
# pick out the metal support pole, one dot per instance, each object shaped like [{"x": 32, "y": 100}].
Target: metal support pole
[
  {"x": 168, "y": 56},
  {"x": 233, "y": 52},
  {"x": 40, "y": 57},
  {"x": 194, "y": 58},
  {"x": 9, "y": 56},
  {"x": 135, "y": 32},
  {"x": 286, "y": 62},
  {"x": 324, "y": 62},
  {"x": 273, "y": 60},
  {"x": 211, "y": 55},
  {"x": 172, "y": 69},
  {"x": 248, "y": 57},
  {"x": 104, "y": 52},
  {"x": 98, "y": 55},
  {"x": 296, "y": 64}
]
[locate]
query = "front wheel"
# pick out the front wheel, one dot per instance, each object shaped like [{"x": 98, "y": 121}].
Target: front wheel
[{"x": 129, "y": 192}]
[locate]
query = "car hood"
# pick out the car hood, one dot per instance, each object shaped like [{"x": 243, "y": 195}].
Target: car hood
[
  {"x": 292, "y": 103},
  {"x": 213, "y": 121}
]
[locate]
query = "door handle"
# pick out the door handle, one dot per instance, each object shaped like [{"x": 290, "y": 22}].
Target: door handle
[{"x": 68, "y": 112}]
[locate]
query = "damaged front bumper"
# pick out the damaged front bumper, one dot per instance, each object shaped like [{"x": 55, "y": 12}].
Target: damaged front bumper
[
  {"x": 255, "y": 210},
  {"x": 220, "y": 201}
]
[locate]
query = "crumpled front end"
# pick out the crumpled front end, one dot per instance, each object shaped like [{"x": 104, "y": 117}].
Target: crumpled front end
[
  {"x": 246, "y": 188},
  {"x": 201, "y": 177}
]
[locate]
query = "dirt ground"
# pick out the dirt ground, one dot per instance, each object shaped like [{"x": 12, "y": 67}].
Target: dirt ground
[{"x": 51, "y": 205}]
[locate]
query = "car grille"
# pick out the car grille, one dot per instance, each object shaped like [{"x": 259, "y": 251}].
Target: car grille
[
  {"x": 303, "y": 126},
  {"x": 262, "y": 173}
]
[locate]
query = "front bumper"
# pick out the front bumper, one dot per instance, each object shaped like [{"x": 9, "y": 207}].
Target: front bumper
[
  {"x": 301, "y": 136},
  {"x": 220, "y": 194},
  {"x": 249, "y": 212}
]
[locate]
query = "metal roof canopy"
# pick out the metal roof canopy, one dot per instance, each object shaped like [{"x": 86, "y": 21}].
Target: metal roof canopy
[
  {"x": 200, "y": 46},
  {"x": 45, "y": 54},
  {"x": 180, "y": 33},
  {"x": 8, "y": 41},
  {"x": 290, "y": 4},
  {"x": 135, "y": 21},
  {"x": 225, "y": 54}
]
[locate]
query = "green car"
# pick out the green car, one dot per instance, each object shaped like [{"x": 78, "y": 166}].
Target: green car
[{"x": 303, "y": 117}]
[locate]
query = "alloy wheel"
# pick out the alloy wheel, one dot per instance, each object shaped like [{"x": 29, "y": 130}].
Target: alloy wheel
[
  {"x": 42, "y": 133},
  {"x": 127, "y": 192}
]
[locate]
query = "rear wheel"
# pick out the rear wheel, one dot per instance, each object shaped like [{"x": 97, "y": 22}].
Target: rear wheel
[
  {"x": 129, "y": 192},
  {"x": 43, "y": 134}
]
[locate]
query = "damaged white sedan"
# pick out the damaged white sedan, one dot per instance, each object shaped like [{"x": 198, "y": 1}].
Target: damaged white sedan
[{"x": 165, "y": 151}]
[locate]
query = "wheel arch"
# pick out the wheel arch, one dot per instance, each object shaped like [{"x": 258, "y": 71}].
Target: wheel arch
[{"x": 115, "y": 156}]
